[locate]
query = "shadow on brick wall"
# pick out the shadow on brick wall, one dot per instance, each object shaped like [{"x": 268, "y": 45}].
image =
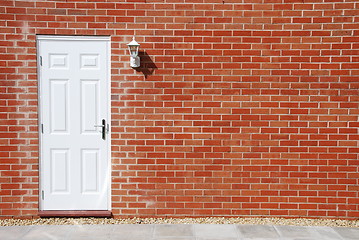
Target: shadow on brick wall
[{"x": 147, "y": 65}]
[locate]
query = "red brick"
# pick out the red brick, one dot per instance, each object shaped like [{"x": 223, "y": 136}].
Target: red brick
[{"x": 254, "y": 121}]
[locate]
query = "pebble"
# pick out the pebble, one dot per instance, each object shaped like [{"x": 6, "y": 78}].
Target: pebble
[{"x": 207, "y": 220}]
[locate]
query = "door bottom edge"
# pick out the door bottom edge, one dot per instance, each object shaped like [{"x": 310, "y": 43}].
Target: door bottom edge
[{"x": 75, "y": 213}]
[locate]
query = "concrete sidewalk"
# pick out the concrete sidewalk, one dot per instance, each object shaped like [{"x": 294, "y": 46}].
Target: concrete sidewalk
[{"x": 176, "y": 232}]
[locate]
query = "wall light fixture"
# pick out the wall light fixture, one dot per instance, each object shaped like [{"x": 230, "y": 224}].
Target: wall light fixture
[{"x": 133, "y": 47}]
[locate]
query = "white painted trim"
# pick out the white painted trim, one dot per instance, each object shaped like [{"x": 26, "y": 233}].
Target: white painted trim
[
  {"x": 73, "y": 38},
  {"x": 109, "y": 206},
  {"x": 39, "y": 107}
]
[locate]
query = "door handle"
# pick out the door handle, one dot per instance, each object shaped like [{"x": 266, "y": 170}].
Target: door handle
[{"x": 103, "y": 126}]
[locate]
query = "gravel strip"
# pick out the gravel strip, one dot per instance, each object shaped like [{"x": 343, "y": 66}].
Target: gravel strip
[{"x": 210, "y": 220}]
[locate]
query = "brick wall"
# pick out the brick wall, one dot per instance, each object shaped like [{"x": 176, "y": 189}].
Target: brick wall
[{"x": 241, "y": 108}]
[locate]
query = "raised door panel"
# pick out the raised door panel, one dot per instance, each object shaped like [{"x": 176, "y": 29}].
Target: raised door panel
[
  {"x": 59, "y": 165},
  {"x": 90, "y": 159},
  {"x": 90, "y": 100},
  {"x": 59, "y": 106}
]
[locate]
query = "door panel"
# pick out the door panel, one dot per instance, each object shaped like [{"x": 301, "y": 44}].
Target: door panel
[
  {"x": 90, "y": 165},
  {"x": 59, "y": 106},
  {"x": 74, "y": 100},
  {"x": 89, "y": 105}
]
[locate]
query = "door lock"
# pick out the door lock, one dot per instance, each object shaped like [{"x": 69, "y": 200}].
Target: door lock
[{"x": 103, "y": 126}]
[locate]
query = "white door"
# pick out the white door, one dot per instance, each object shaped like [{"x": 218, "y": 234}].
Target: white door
[{"x": 74, "y": 122}]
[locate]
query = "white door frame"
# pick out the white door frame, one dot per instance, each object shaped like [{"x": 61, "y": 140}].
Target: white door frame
[{"x": 39, "y": 62}]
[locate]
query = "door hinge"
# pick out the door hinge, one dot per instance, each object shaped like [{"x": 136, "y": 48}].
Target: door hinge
[
  {"x": 43, "y": 195},
  {"x": 42, "y": 128},
  {"x": 40, "y": 60}
]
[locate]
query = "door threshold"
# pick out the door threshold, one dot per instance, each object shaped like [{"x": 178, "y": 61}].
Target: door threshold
[{"x": 59, "y": 213}]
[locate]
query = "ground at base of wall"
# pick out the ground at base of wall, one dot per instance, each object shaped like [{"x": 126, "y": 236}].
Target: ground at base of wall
[{"x": 210, "y": 220}]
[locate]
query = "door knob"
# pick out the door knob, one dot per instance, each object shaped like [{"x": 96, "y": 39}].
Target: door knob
[{"x": 103, "y": 126}]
